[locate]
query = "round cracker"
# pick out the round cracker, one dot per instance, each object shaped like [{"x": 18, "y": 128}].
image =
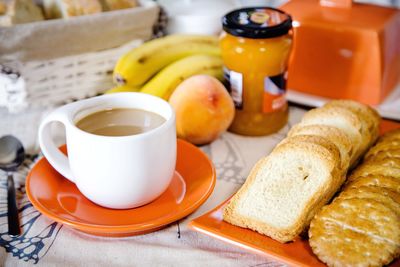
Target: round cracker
[
  {"x": 390, "y": 153},
  {"x": 386, "y": 161},
  {"x": 376, "y": 180},
  {"x": 360, "y": 232},
  {"x": 366, "y": 169},
  {"x": 394, "y": 142},
  {"x": 368, "y": 216},
  {"x": 336, "y": 245},
  {"x": 364, "y": 193},
  {"x": 381, "y": 147},
  {"x": 360, "y": 191},
  {"x": 391, "y": 135}
]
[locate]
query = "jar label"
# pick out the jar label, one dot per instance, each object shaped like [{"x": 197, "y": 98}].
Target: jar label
[
  {"x": 259, "y": 17},
  {"x": 274, "y": 93},
  {"x": 235, "y": 86}
]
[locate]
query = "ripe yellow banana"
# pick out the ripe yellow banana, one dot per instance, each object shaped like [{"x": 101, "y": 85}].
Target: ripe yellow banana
[
  {"x": 140, "y": 64},
  {"x": 165, "y": 82}
]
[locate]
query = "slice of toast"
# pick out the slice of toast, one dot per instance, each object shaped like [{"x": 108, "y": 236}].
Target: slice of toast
[
  {"x": 369, "y": 117},
  {"x": 343, "y": 119},
  {"x": 285, "y": 190},
  {"x": 333, "y": 134},
  {"x": 340, "y": 175}
]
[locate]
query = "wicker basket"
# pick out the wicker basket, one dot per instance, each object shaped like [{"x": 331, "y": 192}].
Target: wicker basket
[{"x": 29, "y": 80}]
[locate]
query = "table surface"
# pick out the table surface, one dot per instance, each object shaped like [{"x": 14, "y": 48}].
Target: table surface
[{"x": 49, "y": 243}]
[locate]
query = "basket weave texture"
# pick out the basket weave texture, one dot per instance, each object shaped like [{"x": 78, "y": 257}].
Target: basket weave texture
[{"x": 68, "y": 60}]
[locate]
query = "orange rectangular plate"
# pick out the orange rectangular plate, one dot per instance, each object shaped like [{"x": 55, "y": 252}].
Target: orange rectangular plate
[{"x": 296, "y": 253}]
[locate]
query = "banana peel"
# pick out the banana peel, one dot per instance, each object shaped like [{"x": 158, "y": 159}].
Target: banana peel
[
  {"x": 164, "y": 83},
  {"x": 137, "y": 66}
]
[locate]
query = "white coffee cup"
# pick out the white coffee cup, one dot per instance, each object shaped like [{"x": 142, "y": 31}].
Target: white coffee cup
[{"x": 117, "y": 172}]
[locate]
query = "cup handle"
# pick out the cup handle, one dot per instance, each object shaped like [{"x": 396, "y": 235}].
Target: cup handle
[{"x": 53, "y": 155}]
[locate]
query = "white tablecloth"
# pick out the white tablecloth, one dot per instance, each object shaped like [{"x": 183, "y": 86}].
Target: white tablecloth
[{"x": 47, "y": 243}]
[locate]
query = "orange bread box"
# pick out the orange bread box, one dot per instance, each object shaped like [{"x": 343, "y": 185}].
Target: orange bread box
[{"x": 344, "y": 50}]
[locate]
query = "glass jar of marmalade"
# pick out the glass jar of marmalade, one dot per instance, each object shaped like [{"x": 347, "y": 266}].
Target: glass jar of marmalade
[{"x": 255, "y": 46}]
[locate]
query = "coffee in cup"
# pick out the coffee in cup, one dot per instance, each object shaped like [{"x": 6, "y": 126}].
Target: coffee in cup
[
  {"x": 120, "y": 122},
  {"x": 121, "y": 147}
]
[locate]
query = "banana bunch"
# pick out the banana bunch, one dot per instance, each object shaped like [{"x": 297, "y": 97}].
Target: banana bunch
[
  {"x": 165, "y": 82},
  {"x": 158, "y": 66}
]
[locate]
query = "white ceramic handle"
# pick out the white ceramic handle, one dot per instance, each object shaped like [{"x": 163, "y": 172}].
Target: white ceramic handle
[{"x": 53, "y": 155}]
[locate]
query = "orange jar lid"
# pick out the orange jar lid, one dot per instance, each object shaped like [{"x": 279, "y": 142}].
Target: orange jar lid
[{"x": 257, "y": 22}]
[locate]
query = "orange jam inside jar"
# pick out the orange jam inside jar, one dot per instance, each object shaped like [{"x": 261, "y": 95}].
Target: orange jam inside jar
[{"x": 255, "y": 44}]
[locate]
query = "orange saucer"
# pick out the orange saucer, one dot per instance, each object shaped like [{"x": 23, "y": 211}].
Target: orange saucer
[{"x": 59, "y": 199}]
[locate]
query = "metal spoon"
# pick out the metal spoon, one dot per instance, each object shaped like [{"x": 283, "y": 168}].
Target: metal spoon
[{"x": 12, "y": 154}]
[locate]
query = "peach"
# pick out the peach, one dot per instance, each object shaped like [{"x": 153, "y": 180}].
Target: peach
[{"x": 204, "y": 109}]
